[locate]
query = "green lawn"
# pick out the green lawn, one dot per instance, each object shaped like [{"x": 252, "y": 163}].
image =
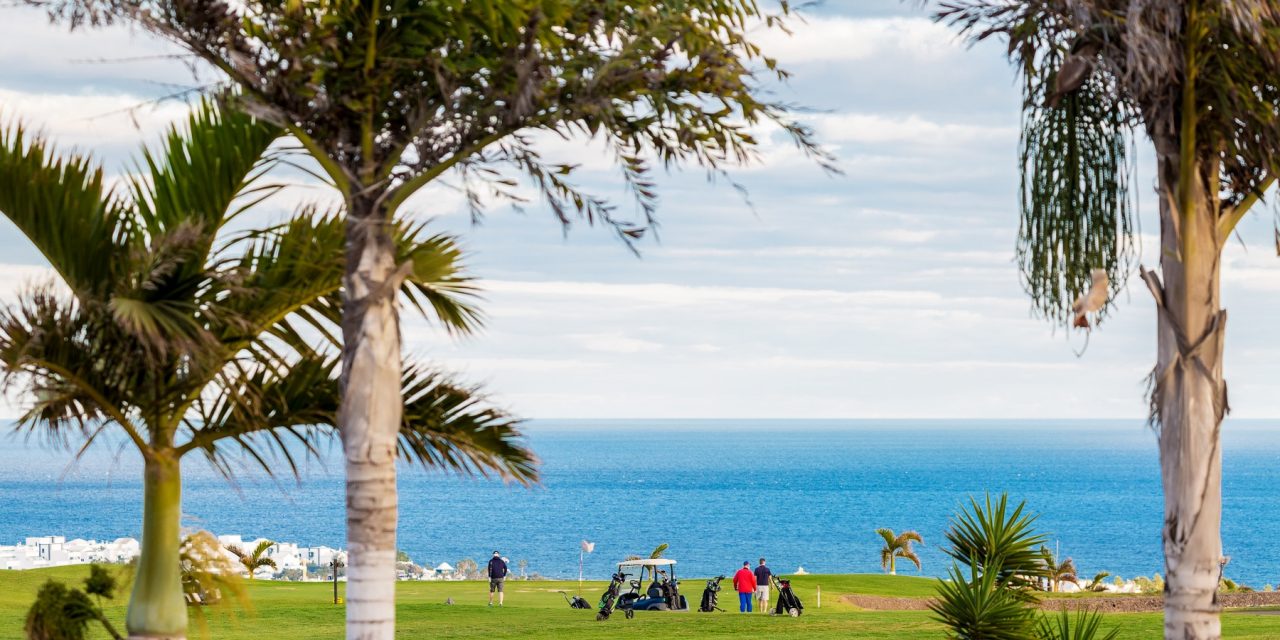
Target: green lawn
[{"x": 284, "y": 611}]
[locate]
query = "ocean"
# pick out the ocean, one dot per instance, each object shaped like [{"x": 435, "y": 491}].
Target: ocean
[{"x": 801, "y": 493}]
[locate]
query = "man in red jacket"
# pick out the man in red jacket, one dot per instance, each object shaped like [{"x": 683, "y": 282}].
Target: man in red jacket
[{"x": 745, "y": 582}]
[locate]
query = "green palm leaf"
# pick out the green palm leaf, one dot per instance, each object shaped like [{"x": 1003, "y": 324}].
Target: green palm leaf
[{"x": 63, "y": 206}]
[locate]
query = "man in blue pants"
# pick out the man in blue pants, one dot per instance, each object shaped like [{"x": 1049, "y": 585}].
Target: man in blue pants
[{"x": 745, "y": 583}]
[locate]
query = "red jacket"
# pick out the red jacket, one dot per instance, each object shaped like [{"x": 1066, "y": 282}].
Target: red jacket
[{"x": 744, "y": 581}]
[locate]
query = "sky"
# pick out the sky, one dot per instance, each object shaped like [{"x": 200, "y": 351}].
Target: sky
[{"x": 889, "y": 291}]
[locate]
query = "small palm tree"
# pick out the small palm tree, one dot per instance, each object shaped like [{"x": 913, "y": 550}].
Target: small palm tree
[
  {"x": 1056, "y": 573},
  {"x": 898, "y": 546},
  {"x": 257, "y": 559},
  {"x": 1096, "y": 583}
]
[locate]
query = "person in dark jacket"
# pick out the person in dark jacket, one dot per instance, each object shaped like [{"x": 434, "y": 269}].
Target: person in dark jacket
[
  {"x": 497, "y": 577},
  {"x": 762, "y": 586},
  {"x": 745, "y": 583}
]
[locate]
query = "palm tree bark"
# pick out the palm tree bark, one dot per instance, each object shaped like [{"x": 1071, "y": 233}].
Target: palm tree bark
[
  {"x": 369, "y": 419},
  {"x": 1189, "y": 393},
  {"x": 158, "y": 610}
]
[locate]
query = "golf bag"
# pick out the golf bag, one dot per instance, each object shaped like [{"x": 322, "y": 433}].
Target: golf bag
[
  {"x": 711, "y": 596},
  {"x": 610, "y": 597},
  {"x": 576, "y": 603},
  {"x": 788, "y": 603}
]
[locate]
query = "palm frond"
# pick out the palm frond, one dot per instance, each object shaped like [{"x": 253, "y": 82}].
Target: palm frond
[
  {"x": 910, "y": 555},
  {"x": 450, "y": 426},
  {"x": 62, "y": 205},
  {"x": 438, "y": 280},
  {"x": 907, "y": 537},
  {"x": 63, "y": 358},
  {"x": 277, "y": 413},
  {"x": 890, "y": 540},
  {"x": 201, "y": 168}
]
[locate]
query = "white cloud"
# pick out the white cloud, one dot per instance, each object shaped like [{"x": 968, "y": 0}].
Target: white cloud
[
  {"x": 867, "y": 128},
  {"x": 614, "y": 343},
  {"x": 858, "y": 39},
  {"x": 91, "y": 121}
]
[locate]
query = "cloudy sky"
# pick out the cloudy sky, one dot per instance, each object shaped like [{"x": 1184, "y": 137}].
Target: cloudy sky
[{"x": 889, "y": 291}]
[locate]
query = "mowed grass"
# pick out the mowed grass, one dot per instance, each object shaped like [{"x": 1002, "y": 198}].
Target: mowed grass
[{"x": 536, "y": 610}]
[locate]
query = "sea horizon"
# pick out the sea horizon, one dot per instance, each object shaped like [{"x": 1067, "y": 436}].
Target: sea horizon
[{"x": 806, "y": 492}]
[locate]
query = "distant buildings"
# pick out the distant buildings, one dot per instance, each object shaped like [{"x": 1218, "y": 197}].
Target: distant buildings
[
  {"x": 293, "y": 562},
  {"x": 53, "y": 551}
]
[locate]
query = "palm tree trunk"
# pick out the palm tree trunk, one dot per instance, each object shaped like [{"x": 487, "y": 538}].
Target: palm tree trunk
[
  {"x": 1189, "y": 398},
  {"x": 157, "y": 609},
  {"x": 369, "y": 419}
]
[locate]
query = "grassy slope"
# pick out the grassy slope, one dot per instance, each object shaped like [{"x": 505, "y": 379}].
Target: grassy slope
[{"x": 287, "y": 611}]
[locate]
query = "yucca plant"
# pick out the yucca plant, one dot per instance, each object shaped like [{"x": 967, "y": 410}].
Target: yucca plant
[
  {"x": 978, "y": 606},
  {"x": 1084, "y": 625},
  {"x": 996, "y": 566},
  {"x": 995, "y": 538},
  {"x": 1198, "y": 79},
  {"x": 181, "y": 336}
]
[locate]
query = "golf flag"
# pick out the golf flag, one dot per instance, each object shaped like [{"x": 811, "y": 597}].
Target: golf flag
[{"x": 584, "y": 548}]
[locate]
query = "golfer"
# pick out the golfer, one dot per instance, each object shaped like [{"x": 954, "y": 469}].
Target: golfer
[
  {"x": 762, "y": 586},
  {"x": 497, "y": 577},
  {"x": 745, "y": 582}
]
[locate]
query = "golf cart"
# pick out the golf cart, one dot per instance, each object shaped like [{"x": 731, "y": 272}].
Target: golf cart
[{"x": 662, "y": 593}]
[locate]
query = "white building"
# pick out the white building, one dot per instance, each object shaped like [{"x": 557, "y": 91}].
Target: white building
[{"x": 53, "y": 551}]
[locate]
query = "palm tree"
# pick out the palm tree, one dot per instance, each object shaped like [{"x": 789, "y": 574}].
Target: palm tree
[
  {"x": 257, "y": 559},
  {"x": 1197, "y": 78},
  {"x": 898, "y": 546},
  {"x": 1056, "y": 573},
  {"x": 1096, "y": 583},
  {"x": 680, "y": 83},
  {"x": 181, "y": 336}
]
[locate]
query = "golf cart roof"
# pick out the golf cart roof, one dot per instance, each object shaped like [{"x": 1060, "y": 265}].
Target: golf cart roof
[{"x": 647, "y": 562}]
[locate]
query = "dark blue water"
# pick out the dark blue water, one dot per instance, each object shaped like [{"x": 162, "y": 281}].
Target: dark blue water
[{"x": 800, "y": 492}]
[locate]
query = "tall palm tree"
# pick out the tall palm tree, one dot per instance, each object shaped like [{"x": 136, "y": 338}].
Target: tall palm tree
[
  {"x": 1197, "y": 78},
  {"x": 256, "y": 559},
  {"x": 424, "y": 89},
  {"x": 182, "y": 336},
  {"x": 898, "y": 546},
  {"x": 1056, "y": 573}
]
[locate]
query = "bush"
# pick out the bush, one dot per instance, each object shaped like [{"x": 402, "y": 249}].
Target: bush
[
  {"x": 60, "y": 613},
  {"x": 1151, "y": 586}
]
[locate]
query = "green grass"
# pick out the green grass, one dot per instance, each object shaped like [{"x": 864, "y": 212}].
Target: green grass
[{"x": 535, "y": 610}]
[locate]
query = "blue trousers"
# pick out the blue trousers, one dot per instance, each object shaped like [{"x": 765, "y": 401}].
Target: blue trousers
[{"x": 744, "y": 602}]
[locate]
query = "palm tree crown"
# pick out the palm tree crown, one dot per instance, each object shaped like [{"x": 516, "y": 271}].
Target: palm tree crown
[
  {"x": 898, "y": 546},
  {"x": 1056, "y": 573},
  {"x": 256, "y": 559}
]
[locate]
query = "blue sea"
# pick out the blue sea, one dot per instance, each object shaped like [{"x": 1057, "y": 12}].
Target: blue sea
[{"x": 802, "y": 493}]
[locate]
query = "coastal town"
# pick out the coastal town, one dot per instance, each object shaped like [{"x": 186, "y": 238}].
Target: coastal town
[{"x": 271, "y": 560}]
